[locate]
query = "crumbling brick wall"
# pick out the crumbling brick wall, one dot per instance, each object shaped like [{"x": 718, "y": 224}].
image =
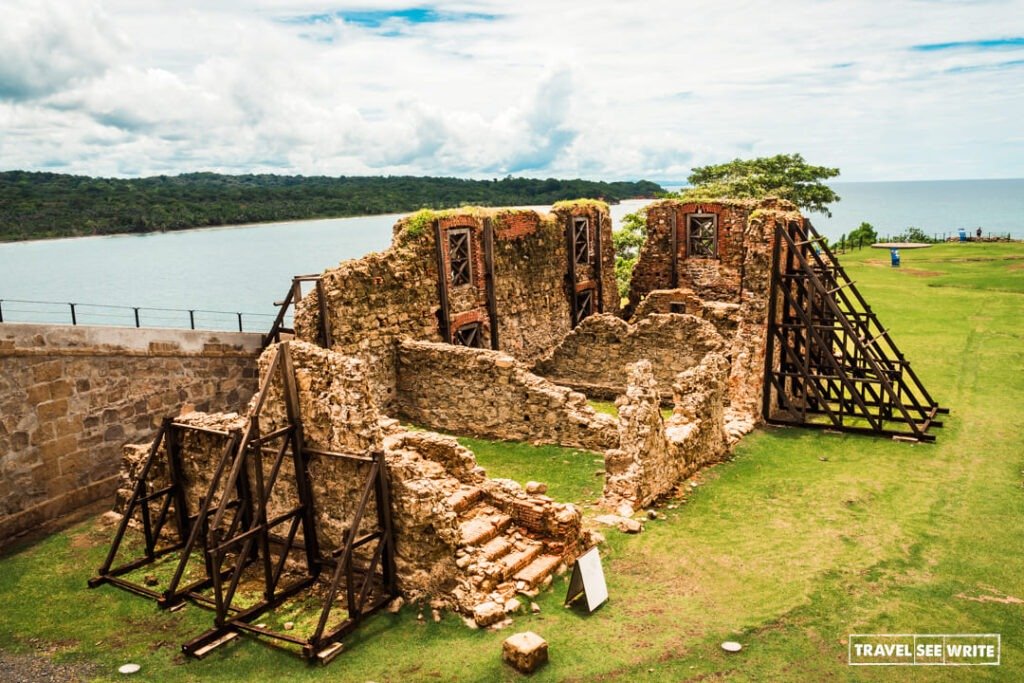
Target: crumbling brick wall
[
  {"x": 722, "y": 314},
  {"x": 643, "y": 466},
  {"x": 491, "y": 394},
  {"x": 373, "y": 300},
  {"x": 696, "y": 428},
  {"x": 655, "y": 455},
  {"x": 436, "y": 486},
  {"x": 430, "y": 477},
  {"x": 730, "y": 290},
  {"x": 594, "y": 358}
]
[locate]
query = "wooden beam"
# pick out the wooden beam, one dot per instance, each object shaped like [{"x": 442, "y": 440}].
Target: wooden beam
[
  {"x": 443, "y": 320},
  {"x": 492, "y": 304},
  {"x": 598, "y": 264}
]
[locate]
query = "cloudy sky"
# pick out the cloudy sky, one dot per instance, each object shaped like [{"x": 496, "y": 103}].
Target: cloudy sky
[{"x": 885, "y": 90}]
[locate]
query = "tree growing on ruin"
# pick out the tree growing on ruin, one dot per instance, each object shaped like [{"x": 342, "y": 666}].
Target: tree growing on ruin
[
  {"x": 786, "y": 176},
  {"x": 627, "y": 240}
]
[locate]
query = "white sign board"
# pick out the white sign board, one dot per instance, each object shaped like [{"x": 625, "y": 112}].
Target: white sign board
[{"x": 588, "y": 580}]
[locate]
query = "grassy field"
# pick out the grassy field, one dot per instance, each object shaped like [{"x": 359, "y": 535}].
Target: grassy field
[{"x": 800, "y": 540}]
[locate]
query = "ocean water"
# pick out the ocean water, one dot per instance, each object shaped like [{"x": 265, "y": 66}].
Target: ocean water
[
  {"x": 246, "y": 268},
  {"x": 936, "y": 206},
  {"x": 217, "y": 272}
]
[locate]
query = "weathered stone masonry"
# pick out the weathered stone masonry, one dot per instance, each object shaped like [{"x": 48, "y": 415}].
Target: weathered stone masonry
[
  {"x": 595, "y": 357},
  {"x": 730, "y": 286},
  {"x": 491, "y": 394},
  {"x": 462, "y": 540},
  {"x": 527, "y": 290},
  {"x": 375, "y": 300},
  {"x": 71, "y": 396}
]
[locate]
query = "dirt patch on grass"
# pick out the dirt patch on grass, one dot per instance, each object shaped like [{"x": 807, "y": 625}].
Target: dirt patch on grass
[
  {"x": 992, "y": 595},
  {"x": 916, "y": 272},
  {"x": 30, "y": 667}
]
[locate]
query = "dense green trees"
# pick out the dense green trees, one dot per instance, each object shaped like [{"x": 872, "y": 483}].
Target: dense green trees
[
  {"x": 786, "y": 176},
  {"x": 36, "y": 205}
]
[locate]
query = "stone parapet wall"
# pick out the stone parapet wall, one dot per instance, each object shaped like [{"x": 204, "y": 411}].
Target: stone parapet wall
[
  {"x": 70, "y": 397},
  {"x": 491, "y": 394},
  {"x": 594, "y": 358}
]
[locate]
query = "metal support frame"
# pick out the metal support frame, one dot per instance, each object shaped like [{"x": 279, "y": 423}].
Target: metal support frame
[
  {"x": 570, "y": 276},
  {"x": 598, "y": 263},
  {"x": 829, "y": 364},
  {"x": 144, "y": 497}
]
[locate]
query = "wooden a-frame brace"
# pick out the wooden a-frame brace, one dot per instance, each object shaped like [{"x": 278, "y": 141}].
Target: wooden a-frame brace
[
  {"x": 235, "y": 533},
  {"x": 829, "y": 364}
]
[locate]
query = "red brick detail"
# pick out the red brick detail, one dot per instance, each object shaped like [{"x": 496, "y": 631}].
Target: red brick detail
[
  {"x": 585, "y": 285},
  {"x": 460, "y": 222},
  {"x": 514, "y": 225},
  {"x": 468, "y": 318}
]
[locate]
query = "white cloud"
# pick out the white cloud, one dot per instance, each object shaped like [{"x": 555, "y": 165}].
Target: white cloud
[
  {"x": 600, "y": 89},
  {"x": 45, "y": 46}
]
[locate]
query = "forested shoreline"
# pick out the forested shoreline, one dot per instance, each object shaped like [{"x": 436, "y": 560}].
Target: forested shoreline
[{"x": 36, "y": 205}]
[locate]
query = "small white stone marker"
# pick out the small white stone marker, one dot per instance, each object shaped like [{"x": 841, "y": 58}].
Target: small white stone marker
[
  {"x": 128, "y": 668},
  {"x": 731, "y": 646}
]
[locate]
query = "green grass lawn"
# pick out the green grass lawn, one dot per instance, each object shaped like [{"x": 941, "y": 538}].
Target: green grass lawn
[{"x": 799, "y": 541}]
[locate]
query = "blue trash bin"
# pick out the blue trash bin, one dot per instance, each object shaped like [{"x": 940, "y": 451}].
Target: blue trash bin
[
  {"x": 894, "y": 254},
  {"x": 963, "y": 235}
]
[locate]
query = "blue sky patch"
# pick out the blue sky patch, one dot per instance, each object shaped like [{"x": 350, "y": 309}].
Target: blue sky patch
[
  {"x": 991, "y": 44},
  {"x": 375, "y": 19},
  {"x": 1000, "y": 66}
]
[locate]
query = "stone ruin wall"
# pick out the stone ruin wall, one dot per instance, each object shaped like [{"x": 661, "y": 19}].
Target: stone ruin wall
[
  {"x": 654, "y": 454},
  {"x": 595, "y": 357},
  {"x": 374, "y": 300},
  {"x": 436, "y": 485},
  {"x": 490, "y": 394},
  {"x": 702, "y": 335},
  {"x": 731, "y": 290}
]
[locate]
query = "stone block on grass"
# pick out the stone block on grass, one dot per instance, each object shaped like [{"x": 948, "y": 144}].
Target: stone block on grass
[{"x": 525, "y": 651}]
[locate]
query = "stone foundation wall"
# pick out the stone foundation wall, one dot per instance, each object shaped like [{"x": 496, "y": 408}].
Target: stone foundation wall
[
  {"x": 655, "y": 455},
  {"x": 70, "y": 397},
  {"x": 595, "y": 357},
  {"x": 440, "y": 497},
  {"x": 374, "y": 300},
  {"x": 490, "y": 394}
]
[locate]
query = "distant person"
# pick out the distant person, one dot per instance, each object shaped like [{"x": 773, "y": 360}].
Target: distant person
[{"x": 978, "y": 233}]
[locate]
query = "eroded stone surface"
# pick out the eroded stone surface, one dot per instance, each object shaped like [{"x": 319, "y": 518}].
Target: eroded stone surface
[
  {"x": 655, "y": 455},
  {"x": 525, "y": 651},
  {"x": 594, "y": 358},
  {"x": 491, "y": 394}
]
